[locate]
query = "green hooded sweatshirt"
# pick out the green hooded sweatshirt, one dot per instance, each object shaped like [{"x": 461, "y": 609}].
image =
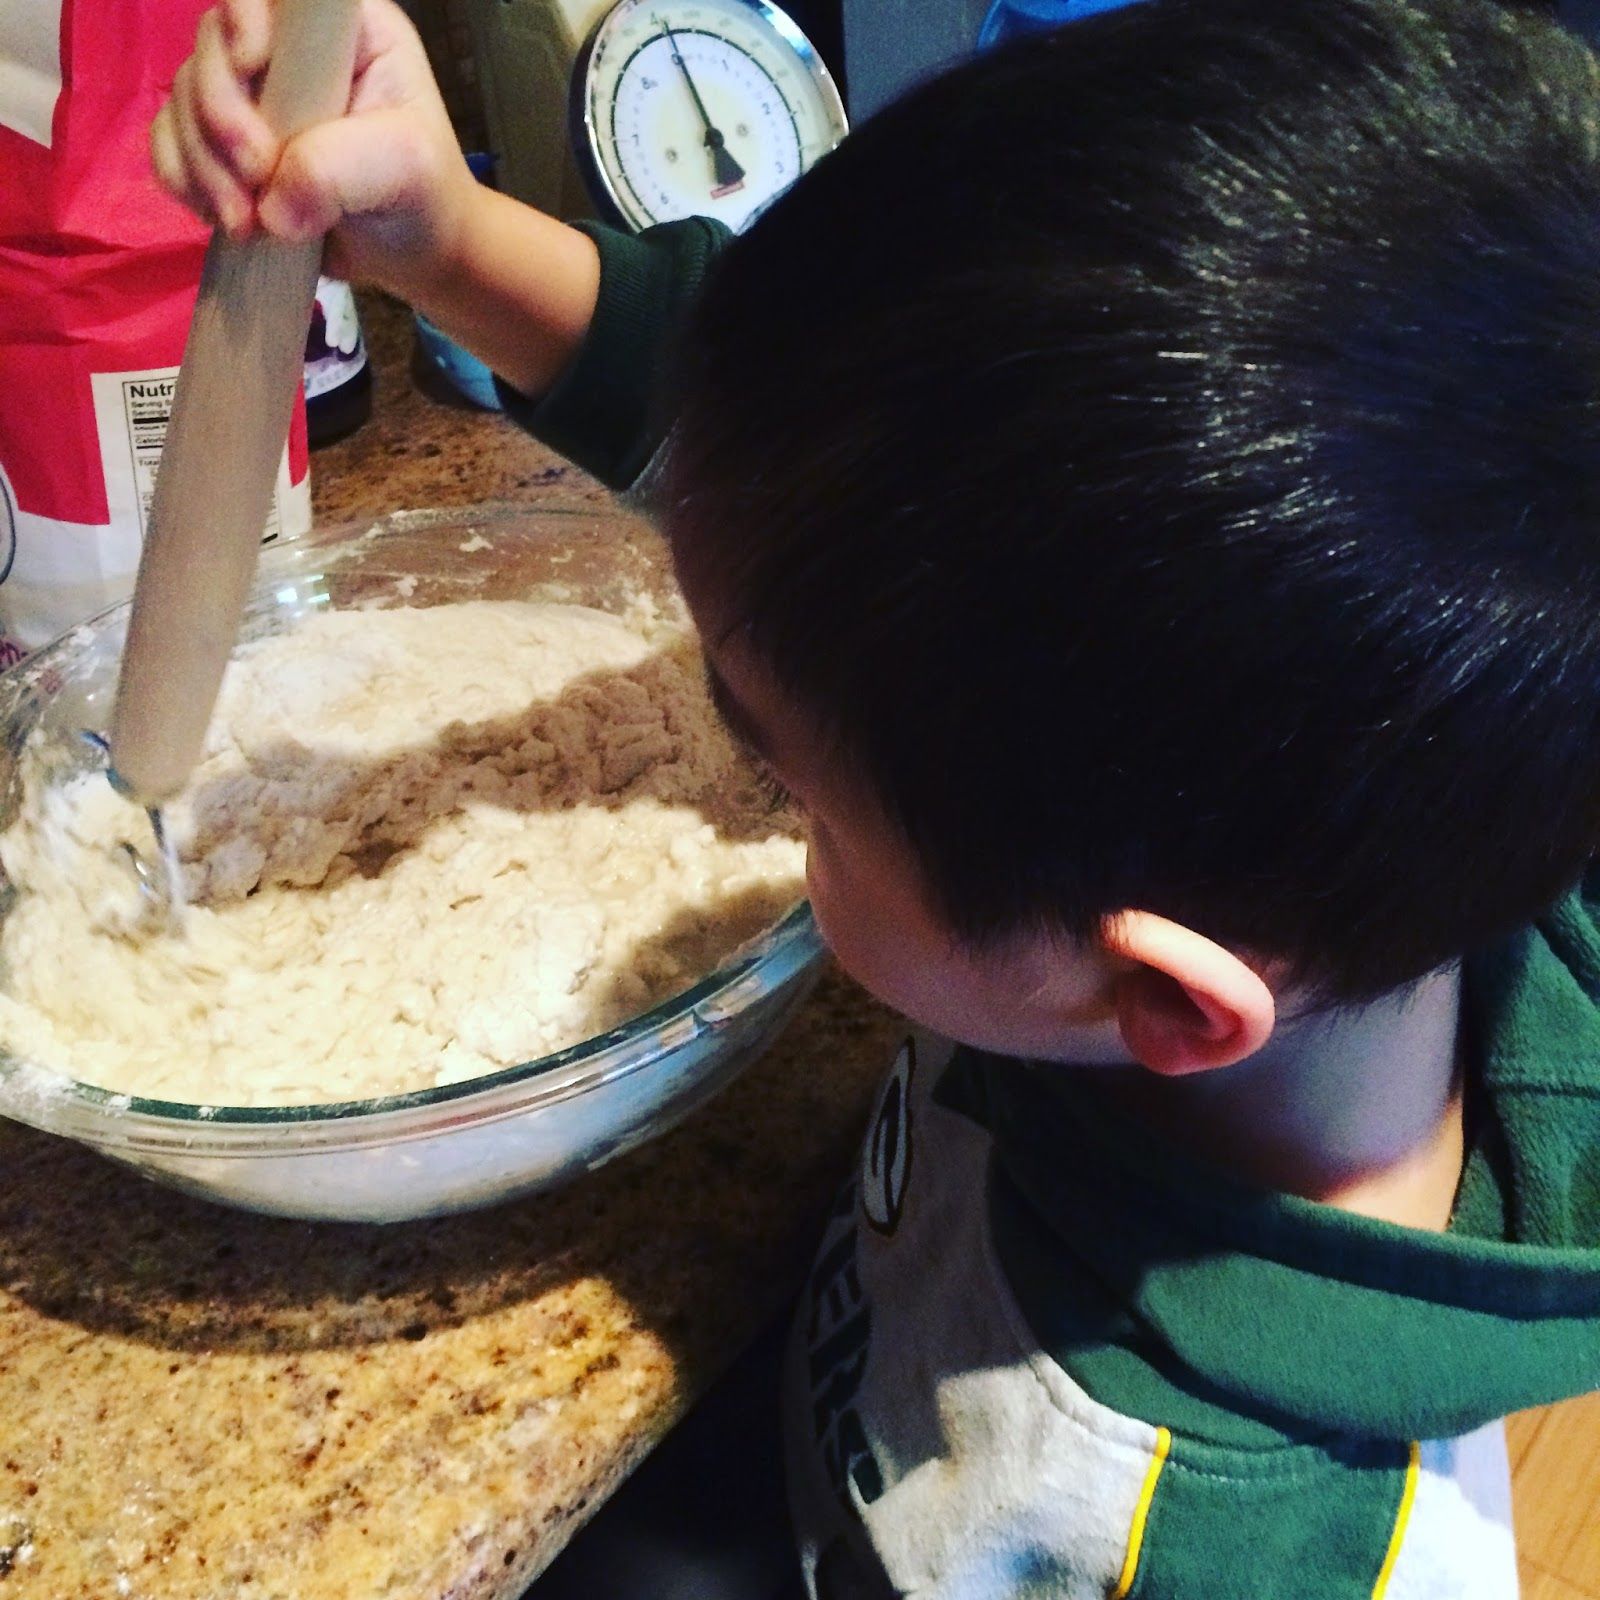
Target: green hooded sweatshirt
[{"x": 1042, "y": 1354}]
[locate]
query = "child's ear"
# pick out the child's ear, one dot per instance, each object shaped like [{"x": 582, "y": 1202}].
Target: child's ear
[{"x": 1183, "y": 1003}]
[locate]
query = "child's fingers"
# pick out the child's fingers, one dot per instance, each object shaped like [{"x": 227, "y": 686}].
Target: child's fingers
[
  {"x": 391, "y": 66},
  {"x": 225, "y": 197},
  {"x": 348, "y": 168},
  {"x": 383, "y": 29},
  {"x": 170, "y": 168},
  {"x": 246, "y": 30},
  {"x": 232, "y": 126}
]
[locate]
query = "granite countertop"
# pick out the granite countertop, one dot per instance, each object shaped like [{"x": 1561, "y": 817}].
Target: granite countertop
[
  {"x": 427, "y": 447},
  {"x": 197, "y": 1404}
]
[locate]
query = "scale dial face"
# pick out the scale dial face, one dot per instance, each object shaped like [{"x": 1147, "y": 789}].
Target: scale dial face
[{"x": 699, "y": 108}]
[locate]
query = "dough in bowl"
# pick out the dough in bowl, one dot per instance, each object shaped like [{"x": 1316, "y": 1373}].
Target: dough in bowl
[{"x": 423, "y": 845}]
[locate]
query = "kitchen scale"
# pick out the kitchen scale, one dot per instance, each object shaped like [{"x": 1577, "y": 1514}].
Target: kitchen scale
[{"x": 709, "y": 108}]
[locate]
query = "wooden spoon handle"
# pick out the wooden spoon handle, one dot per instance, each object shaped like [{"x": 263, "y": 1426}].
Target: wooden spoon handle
[{"x": 230, "y": 418}]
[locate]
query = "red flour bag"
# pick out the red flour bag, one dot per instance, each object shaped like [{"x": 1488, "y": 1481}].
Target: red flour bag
[{"x": 98, "y": 276}]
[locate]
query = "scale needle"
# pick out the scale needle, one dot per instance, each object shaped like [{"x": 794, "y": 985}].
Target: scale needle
[{"x": 728, "y": 173}]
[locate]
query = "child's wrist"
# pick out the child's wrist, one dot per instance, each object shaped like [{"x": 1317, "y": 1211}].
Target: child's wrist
[
  {"x": 516, "y": 287},
  {"x": 425, "y": 278}
]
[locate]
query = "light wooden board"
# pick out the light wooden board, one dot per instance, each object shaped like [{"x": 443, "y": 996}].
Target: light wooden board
[{"x": 1555, "y": 1474}]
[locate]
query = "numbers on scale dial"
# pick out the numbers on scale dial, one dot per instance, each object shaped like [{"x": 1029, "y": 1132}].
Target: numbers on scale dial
[
  {"x": 703, "y": 110},
  {"x": 670, "y": 152}
]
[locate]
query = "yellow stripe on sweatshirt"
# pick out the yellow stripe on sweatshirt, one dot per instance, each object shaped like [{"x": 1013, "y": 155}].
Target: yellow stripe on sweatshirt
[
  {"x": 1402, "y": 1519},
  {"x": 1141, "y": 1514}
]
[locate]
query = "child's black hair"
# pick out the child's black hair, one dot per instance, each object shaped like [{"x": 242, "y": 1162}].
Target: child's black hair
[{"x": 1166, "y": 458}]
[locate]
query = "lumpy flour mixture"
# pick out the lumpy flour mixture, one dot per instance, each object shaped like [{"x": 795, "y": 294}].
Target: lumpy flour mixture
[{"x": 423, "y": 845}]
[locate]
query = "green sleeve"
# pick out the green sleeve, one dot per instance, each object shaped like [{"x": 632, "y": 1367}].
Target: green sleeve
[{"x": 607, "y": 411}]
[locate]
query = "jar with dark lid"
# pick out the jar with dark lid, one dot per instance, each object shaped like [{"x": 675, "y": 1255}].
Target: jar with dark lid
[{"x": 338, "y": 374}]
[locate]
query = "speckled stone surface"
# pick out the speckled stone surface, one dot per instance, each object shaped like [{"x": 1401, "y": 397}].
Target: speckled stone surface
[
  {"x": 196, "y": 1404},
  {"x": 426, "y": 447}
]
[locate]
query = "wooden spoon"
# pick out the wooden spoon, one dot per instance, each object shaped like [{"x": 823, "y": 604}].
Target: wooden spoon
[{"x": 230, "y": 418}]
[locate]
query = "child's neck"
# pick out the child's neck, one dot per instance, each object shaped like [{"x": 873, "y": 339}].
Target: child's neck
[{"x": 1359, "y": 1108}]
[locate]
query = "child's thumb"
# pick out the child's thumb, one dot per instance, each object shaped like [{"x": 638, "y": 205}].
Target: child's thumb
[{"x": 353, "y": 166}]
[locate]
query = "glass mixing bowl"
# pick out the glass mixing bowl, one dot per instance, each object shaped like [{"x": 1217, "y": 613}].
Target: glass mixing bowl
[{"x": 467, "y": 1144}]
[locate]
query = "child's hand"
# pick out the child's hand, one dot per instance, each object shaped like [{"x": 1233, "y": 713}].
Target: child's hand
[
  {"x": 387, "y": 182},
  {"x": 387, "y": 178}
]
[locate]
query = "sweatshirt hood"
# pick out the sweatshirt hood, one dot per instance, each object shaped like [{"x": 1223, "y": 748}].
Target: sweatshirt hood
[{"x": 1302, "y": 1317}]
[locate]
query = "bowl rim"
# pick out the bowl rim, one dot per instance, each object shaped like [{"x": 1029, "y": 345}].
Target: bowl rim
[{"x": 794, "y": 935}]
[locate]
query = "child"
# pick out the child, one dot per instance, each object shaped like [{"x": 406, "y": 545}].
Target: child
[{"x": 1140, "y": 495}]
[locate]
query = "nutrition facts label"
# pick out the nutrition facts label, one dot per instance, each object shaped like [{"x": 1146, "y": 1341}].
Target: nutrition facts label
[{"x": 133, "y": 408}]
